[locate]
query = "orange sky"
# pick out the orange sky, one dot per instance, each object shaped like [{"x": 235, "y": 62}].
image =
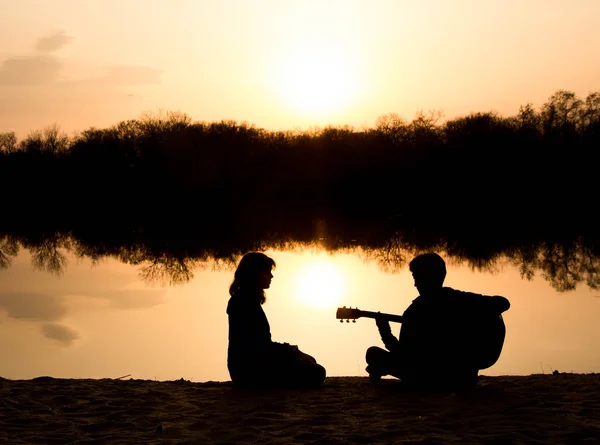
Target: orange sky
[{"x": 288, "y": 64}]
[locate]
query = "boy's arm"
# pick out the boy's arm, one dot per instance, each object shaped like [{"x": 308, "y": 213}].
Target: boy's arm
[
  {"x": 494, "y": 303},
  {"x": 501, "y": 304},
  {"x": 389, "y": 340}
]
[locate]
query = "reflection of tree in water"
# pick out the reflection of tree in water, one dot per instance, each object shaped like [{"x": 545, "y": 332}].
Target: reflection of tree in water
[
  {"x": 46, "y": 255},
  {"x": 168, "y": 269},
  {"x": 9, "y": 247},
  {"x": 569, "y": 264},
  {"x": 564, "y": 264},
  {"x": 45, "y": 250}
]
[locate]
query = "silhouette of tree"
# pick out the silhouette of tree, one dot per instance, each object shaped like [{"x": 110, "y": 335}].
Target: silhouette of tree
[
  {"x": 561, "y": 114},
  {"x": 8, "y": 143},
  {"x": 168, "y": 194}
]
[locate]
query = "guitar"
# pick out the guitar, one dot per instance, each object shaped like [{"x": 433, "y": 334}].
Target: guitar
[
  {"x": 485, "y": 339},
  {"x": 344, "y": 313}
]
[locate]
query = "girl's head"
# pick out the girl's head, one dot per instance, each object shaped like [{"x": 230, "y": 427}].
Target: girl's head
[{"x": 253, "y": 274}]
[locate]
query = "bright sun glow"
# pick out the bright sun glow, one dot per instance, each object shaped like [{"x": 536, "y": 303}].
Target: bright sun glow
[
  {"x": 316, "y": 81},
  {"x": 320, "y": 284}
]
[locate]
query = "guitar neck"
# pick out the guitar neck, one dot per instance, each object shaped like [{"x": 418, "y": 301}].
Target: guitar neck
[{"x": 388, "y": 317}]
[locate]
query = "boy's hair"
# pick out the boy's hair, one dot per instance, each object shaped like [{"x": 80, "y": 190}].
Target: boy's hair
[{"x": 430, "y": 266}]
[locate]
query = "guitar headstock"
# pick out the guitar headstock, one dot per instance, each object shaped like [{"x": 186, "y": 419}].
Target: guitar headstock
[{"x": 347, "y": 313}]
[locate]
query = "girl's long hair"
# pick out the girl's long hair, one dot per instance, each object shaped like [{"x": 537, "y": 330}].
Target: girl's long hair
[{"x": 247, "y": 274}]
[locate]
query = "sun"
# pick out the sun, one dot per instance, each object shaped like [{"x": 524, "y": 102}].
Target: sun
[
  {"x": 320, "y": 284},
  {"x": 316, "y": 81}
]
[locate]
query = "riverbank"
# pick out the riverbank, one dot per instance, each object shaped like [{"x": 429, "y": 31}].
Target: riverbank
[{"x": 544, "y": 409}]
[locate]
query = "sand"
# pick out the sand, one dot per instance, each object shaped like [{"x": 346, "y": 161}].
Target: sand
[{"x": 544, "y": 409}]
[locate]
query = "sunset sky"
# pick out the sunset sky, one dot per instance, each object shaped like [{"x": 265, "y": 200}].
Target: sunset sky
[{"x": 285, "y": 64}]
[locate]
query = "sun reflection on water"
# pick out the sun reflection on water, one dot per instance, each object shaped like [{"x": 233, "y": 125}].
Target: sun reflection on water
[{"x": 320, "y": 283}]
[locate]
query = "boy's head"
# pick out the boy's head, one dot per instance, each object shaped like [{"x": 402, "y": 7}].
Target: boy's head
[{"x": 429, "y": 272}]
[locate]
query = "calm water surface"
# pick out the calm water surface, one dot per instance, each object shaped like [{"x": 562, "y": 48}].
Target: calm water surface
[{"x": 104, "y": 321}]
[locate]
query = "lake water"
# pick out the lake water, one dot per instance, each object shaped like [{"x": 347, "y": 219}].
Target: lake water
[{"x": 103, "y": 320}]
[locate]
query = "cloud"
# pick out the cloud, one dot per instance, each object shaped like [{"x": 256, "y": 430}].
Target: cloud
[
  {"x": 32, "y": 306},
  {"x": 45, "y": 69},
  {"x": 40, "y": 307},
  {"x": 35, "y": 91},
  {"x": 53, "y": 42},
  {"x": 62, "y": 334},
  {"x": 34, "y": 70},
  {"x": 133, "y": 299},
  {"x": 43, "y": 301},
  {"x": 46, "y": 310}
]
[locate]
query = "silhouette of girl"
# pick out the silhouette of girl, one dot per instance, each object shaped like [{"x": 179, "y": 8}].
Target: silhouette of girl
[{"x": 253, "y": 359}]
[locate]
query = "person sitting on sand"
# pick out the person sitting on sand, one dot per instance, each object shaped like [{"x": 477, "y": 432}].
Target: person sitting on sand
[
  {"x": 444, "y": 334},
  {"x": 253, "y": 359}
]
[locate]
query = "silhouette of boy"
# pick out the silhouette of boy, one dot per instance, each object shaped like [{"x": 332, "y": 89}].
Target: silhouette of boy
[{"x": 446, "y": 334}]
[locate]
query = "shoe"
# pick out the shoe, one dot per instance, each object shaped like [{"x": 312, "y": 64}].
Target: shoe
[{"x": 373, "y": 375}]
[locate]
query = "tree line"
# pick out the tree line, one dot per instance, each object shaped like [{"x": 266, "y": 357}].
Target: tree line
[{"x": 480, "y": 184}]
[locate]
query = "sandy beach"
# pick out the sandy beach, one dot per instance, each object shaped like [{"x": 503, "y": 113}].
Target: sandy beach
[{"x": 536, "y": 409}]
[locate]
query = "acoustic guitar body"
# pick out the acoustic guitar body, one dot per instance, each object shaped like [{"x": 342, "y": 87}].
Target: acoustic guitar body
[{"x": 489, "y": 341}]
